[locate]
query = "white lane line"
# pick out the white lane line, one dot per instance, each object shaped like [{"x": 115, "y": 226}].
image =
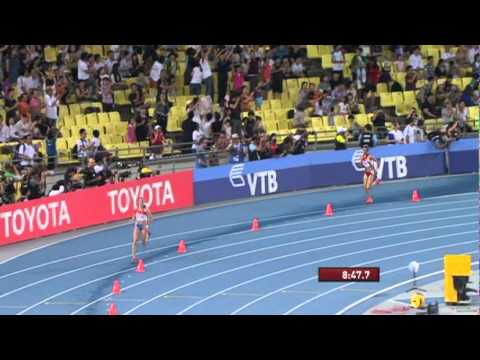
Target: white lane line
[
  {"x": 217, "y": 260},
  {"x": 295, "y": 267},
  {"x": 412, "y": 206},
  {"x": 362, "y": 300},
  {"x": 349, "y": 284},
  {"x": 277, "y": 272},
  {"x": 244, "y": 242},
  {"x": 234, "y": 255}
]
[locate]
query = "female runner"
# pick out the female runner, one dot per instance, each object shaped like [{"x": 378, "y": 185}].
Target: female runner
[
  {"x": 370, "y": 177},
  {"x": 142, "y": 218}
]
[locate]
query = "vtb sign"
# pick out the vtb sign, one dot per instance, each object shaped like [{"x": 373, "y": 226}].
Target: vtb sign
[{"x": 265, "y": 181}]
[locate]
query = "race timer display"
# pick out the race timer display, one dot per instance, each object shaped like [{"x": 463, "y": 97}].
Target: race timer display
[{"x": 349, "y": 274}]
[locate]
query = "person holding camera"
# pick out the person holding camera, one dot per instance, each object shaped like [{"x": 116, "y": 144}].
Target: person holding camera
[{"x": 93, "y": 174}]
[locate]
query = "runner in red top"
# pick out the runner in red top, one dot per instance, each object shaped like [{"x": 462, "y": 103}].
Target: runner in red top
[{"x": 370, "y": 165}]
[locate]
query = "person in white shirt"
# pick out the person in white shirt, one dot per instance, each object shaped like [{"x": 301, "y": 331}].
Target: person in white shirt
[
  {"x": 196, "y": 135},
  {"x": 82, "y": 67},
  {"x": 196, "y": 81},
  {"x": 51, "y": 104},
  {"x": 448, "y": 54},
  {"x": 23, "y": 127},
  {"x": 338, "y": 61},
  {"x": 207, "y": 73},
  {"x": 396, "y": 135},
  {"x": 412, "y": 133},
  {"x": 26, "y": 152},
  {"x": 155, "y": 71},
  {"x": 472, "y": 52},
  {"x": 298, "y": 68},
  {"x": 84, "y": 147},
  {"x": 415, "y": 60},
  {"x": 4, "y": 131}
]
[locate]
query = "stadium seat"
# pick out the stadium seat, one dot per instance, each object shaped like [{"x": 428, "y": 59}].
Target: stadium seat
[
  {"x": 68, "y": 121},
  {"x": 458, "y": 82},
  {"x": 362, "y": 119},
  {"x": 386, "y": 99},
  {"x": 62, "y": 144},
  {"x": 282, "y": 126},
  {"x": 474, "y": 113},
  {"x": 327, "y": 61},
  {"x": 275, "y": 104},
  {"x": 121, "y": 128},
  {"x": 325, "y": 49},
  {"x": 121, "y": 98},
  {"x": 312, "y": 52},
  {"x": 92, "y": 119},
  {"x": 80, "y": 120},
  {"x": 466, "y": 81},
  {"x": 74, "y": 109},
  {"x": 72, "y": 141},
  {"x": 397, "y": 98},
  {"x": 409, "y": 97},
  {"x": 114, "y": 116},
  {"x": 103, "y": 118},
  {"x": 63, "y": 111},
  {"x": 109, "y": 128},
  {"x": 382, "y": 88},
  {"x": 340, "y": 121},
  {"x": 50, "y": 54}
]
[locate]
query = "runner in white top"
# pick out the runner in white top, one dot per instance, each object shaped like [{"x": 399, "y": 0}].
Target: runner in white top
[{"x": 143, "y": 219}]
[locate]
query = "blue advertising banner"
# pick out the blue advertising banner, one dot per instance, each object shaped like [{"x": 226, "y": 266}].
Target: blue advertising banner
[
  {"x": 464, "y": 156},
  {"x": 317, "y": 169}
]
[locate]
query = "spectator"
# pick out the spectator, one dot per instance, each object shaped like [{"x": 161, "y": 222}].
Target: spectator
[
  {"x": 359, "y": 66},
  {"x": 298, "y": 69},
  {"x": 396, "y": 135},
  {"x": 206, "y": 72},
  {"x": 440, "y": 139},
  {"x": 196, "y": 136},
  {"x": 137, "y": 99},
  {"x": 253, "y": 154},
  {"x": 448, "y": 112},
  {"x": 202, "y": 153},
  {"x": 415, "y": 60},
  {"x": 325, "y": 84},
  {"x": 84, "y": 147},
  {"x": 247, "y": 99},
  {"x": 411, "y": 79},
  {"x": 93, "y": 174},
  {"x": 23, "y": 106},
  {"x": 354, "y": 128},
  {"x": 473, "y": 51},
  {"x": 107, "y": 95},
  {"x": 26, "y": 152},
  {"x": 249, "y": 125},
  {"x": 411, "y": 133},
  {"x": 188, "y": 126},
  {"x": 463, "y": 117},
  {"x": 395, "y": 86},
  {"x": 441, "y": 69},
  {"x": 51, "y": 104},
  {"x": 4, "y": 131},
  {"x": 277, "y": 79},
  {"x": 379, "y": 123},
  {"x": 196, "y": 81},
  {"x": 299, "y": 142},
  {"x": 23, "y": 127},
  {"x": 373, "y": 74},
  {"x": 385, "y": 76},
  {"x": 367, "y": 137},
  {"x": 157, "y": 140},
  {"x": 10, "y": 104},
  {"x": 430, "y": 68},
  {"x": 448, "y": 54},
  {"x": 235, "y": 113},
  {"x": 13, "y": 130},
  {"x": 425, "y": 91},
  {"x": 430, "y": 109},
  {"x": 224, "y": 64},
  {"x": 338, "y": 61},
  {"x": 131, "y": 134},
  {"x": 83, "y": 92},
  {"x": 51, "y": 143},
  {"x": 400, "y": 64},
  {"x": 162, "y": 109},
  {"x": 142, "y": 126},
  {"x": 476, "y": 64},
  {"x": 341, "y": 139},
  {"x": 227, "y": 128},
  {"x": 237, "y": 150},
  {"x": 253, "y": 70}
]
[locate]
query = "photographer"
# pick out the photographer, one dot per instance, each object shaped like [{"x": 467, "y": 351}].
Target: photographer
[
  {"x": 8, "y": 177},
  {"x": 299, "y": 142},
  {"x": 93, "y": 174},
  {"x": 440, "y": 139}
]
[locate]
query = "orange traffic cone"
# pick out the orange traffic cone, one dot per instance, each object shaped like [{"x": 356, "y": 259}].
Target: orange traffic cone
[
  {"x": 369, "y": 199},
  {"x": 117, "y": 288},
  {"x": 141, "y": 266},
  {"x": 329, "y": 210},
  {"x": 113, "y": 310},
  {"x": 416, "y": 196},
  {"x": 255, "y": 224},
  {"x": 182, "y": 247}
]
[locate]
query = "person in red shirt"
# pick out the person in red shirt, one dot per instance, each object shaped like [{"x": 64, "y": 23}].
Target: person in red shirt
[
  {"x": 23, "y": 106},
  {"x": 157, "y": 140},
  {"x": 373, "y": 73}
]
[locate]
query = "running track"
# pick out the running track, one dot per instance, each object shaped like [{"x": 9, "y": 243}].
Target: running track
[{"x": 230, "y": 270}]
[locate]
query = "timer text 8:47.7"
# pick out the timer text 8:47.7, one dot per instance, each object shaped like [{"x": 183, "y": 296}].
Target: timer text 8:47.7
[{"x": 349, "y": 274}]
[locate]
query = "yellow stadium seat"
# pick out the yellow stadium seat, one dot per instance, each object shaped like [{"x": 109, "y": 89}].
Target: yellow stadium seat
[
  {"x": 361, "y": 107},
  {"x": 340, "y": 121},
  {"x": 109, "y": 128},
  {"x": 62, "y": 144},
  {"x": 92, "y": 119},
  {"x": 151, "y": 112},
  {"x": 106, "y": 139},
  {"x": 362, "y": 119},
  {"x": 65, "y": 132},
  {"x": 409, "y": 97},
  {"x": 474, "y": 113},
  {"x": 397, "y": 98},
  {"x": 275, "y": 104},
  {"x": 382, "y": 88},
  {"x": 72, "y": 141},
  {"x": 121, "y": 128},
  {"x": 103, "y": 118},
  {"x": 466, "y": 81},
  {"x": 116, "y": 139},
  {"x": 63, "y": 111},
  {"x": 312, "y": 52},
  {"x": 80, "y": 120},
  {"x": 325, "y": 49},
  {"x": 317, "y": 123},
  {"x": 50, "y": 54},
  {"x": 348, "y": 59},
  {"x": 457, "y": 82},
  {"x": 327, "y": 61},
  {"x": 270, "y": 127},
  {"x": 282, "y": 125},
  {"x": 69, "y": 121},
  {"x": 121, "y": 97},
  {"x": 114, "y": 116},
  {"x": 74, "y": 109},
  {"x": 386, "y": 99}
]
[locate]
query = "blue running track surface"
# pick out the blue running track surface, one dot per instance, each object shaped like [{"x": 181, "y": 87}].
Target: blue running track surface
[{"x": 228, "y": 269}]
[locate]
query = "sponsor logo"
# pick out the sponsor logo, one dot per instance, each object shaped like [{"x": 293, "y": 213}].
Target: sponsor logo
[
  {"x": 396, "y": 165},
  {"x": 265, "y": 181}
]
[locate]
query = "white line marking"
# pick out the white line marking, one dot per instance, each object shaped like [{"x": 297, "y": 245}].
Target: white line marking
[
  {"x": 213, "y": 228},
  {"x": 230, "y": 256},
  {"x": 295, "y": 267},
  {"x": 362, "y": 300}
]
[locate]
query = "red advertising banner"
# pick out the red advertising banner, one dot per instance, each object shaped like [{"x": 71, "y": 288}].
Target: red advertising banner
[{"x": 52, "y": 215}]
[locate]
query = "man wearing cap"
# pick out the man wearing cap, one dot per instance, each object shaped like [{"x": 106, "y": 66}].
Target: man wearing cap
[{"x": 341, "y": 139}]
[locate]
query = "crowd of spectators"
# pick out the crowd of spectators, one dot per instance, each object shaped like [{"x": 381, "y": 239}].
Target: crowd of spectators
[{"x": 77, "y": 75}]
